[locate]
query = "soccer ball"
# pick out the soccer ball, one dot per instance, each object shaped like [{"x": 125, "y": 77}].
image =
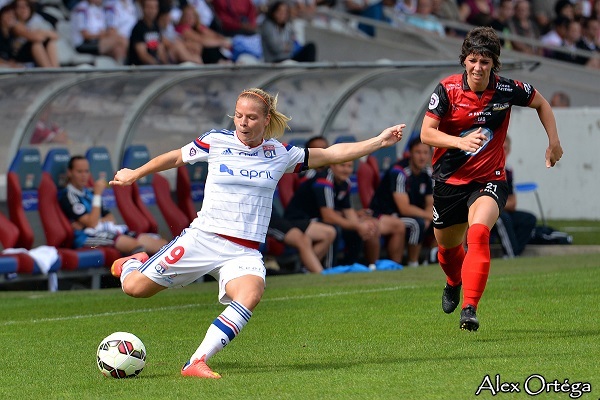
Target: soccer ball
[{"x": 121, "y": 355}]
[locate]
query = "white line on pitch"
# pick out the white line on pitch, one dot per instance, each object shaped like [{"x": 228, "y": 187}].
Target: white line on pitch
[{"x": 182, "y": 307}]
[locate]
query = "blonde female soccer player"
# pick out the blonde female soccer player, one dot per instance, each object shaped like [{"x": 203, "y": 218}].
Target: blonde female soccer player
[{"x": 244, "y": 168}]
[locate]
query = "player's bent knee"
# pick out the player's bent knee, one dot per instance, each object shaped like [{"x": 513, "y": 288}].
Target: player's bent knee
[{"x": 140, "y": 287}]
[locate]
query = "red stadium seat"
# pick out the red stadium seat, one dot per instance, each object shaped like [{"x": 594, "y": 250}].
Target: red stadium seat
[
  {"x": 191, "y": 179},
  {"x": 24, "y": 185},
  {"x": 175, "y": 218},
  {"x": 286, "y": 187},
  {"x": 58, "y": 230},
  {"x": 368, "y": 178},
  {"x": 137, "y": 219},
  {"x": 184, "y": 193},
  {"x": 20, "y": 263}
]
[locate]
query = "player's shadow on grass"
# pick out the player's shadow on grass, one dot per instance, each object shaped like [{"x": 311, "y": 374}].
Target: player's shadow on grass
[
  {"x": 509, "y": 335},
  {"x": 340, "y": 364}
]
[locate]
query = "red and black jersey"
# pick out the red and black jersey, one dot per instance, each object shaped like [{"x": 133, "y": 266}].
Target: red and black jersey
[{"x": 461, "y": 111}]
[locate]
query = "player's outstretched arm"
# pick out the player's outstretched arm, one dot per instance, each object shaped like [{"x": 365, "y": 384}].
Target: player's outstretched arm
[
  {"x": 126, "y": 176},
  {"x": 342, "y": 152}
]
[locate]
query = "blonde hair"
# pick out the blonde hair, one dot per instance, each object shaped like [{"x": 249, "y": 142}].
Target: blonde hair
[{"x": 279, "y": 122}]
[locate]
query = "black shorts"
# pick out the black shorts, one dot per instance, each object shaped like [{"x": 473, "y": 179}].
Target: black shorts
[
  {"x": 451, "y": 202},
  {"x": 25, "y": 54},
  {"x": 89, "y": 47},
  {"x": 279, "y": 227}
]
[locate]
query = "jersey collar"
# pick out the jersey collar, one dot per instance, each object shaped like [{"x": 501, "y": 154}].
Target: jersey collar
[{"x": 490, "y": 86}]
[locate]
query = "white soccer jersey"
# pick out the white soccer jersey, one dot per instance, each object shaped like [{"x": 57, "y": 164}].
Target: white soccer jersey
[
  {"x": 121, "y": 15},
  {"x": 241, "y": 181},
  {"x": 89, "y": 17}
]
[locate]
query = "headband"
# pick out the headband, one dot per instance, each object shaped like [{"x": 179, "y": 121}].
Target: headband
[
  {"x": 258, "y": 95},
  {"x": 482, "y": 49}
]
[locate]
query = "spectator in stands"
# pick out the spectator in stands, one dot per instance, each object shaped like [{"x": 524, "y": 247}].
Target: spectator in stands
[
  {"x": 48, "y": 20},
  {"x": 146, "y": 46},
  {"x": 477, "y": 12},
  {"x": 560, "y": 100},
  {"x": 7, "y": 20},
  {"x": 571, "y": 39},
  {"x": 304, "y": 9},
  {"x": 564, "y": 8},
  {"x": 236, "y": 17},
  {"x": 543, "y": 14},
  {"x": 556, "y": 35},
  {"x": 424, "y": 19},
  {"x": 326, "y": 197},
  {"x": 522, "y": 24},
  {"x": 198, "y": 36},
  {"x": 406, "y": 192},
  {"x": 367, "y": 9},
  {"x": 319, "y": 142},
  {"x": 177, "y": 50},
  {"x": 501, "y": 22},
  {"x": 223, "y": 240},
  {"x": 92, "y": 223},
  {"x": 32, "y": 44},
  {"x": 206, "y": 14},
  {"x": 448, "y": 10},
  {"x": 590, "y": 35},
  {"x": 513, "y": 227},
  {"x": 470, "y": 186},
  {"x": 312, "y": 239},
  {"x": 596, "y": 11},
  {"x": 121, "y": 15},
  {"x": 92, "y": 34},
  {"x": 278, "y": 40}
]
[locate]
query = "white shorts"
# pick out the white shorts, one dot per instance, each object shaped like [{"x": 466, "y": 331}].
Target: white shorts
[{"x": 195, "y": 253}]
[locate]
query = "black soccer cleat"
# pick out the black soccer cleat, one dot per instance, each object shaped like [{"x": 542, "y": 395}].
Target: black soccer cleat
[
  {"x": 468, "y": 319},
  {"x": 450, "y": 298}
]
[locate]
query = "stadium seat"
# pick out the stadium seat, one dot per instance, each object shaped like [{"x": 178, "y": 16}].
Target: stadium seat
[
  {"x": 133, "y": 200},
  {"x": 25, "y": 183},
  {"x": 191, "y": 179},
  {"x": 57, "y": 227},
  {"x": 101, "y": 168},
  {"x": 19, "y": 263},
  {"x": 184, "y": 193},
  {"x": 173, "y": 215},
  {"x": 286, "y": 187},
  {"x": 368, "y": 178},
  {"x": 345, "y": 139},
  {"x": 119, "y": 199}
]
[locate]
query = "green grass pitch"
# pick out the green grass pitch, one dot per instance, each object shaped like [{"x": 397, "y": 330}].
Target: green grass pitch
[{"x": 378, "y": 335}]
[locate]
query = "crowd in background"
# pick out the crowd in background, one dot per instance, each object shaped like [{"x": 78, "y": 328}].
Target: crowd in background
[
  {"x": 149, "y": 32},
  {"x": 567, "y": 24}
]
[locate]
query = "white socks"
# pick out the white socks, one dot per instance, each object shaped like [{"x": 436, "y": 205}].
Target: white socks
[{"x": 223, "y": 330}]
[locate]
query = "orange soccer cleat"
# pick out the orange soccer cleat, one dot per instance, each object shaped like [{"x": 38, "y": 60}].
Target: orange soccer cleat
[
  {"x": 199, "y": 369},
  {"x": 117, "y": 265}
]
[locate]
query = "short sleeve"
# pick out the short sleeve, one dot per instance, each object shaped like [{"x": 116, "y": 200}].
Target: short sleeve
[
  {"x": 523, "y": 94},
  {"x": 197, "y": 150},
  {"x": 438, "y": 103}
]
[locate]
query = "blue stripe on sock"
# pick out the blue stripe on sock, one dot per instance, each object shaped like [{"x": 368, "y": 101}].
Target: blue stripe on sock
[
  {"x": 226, "y": 330},
  {"x": 243, "y": 311}
]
